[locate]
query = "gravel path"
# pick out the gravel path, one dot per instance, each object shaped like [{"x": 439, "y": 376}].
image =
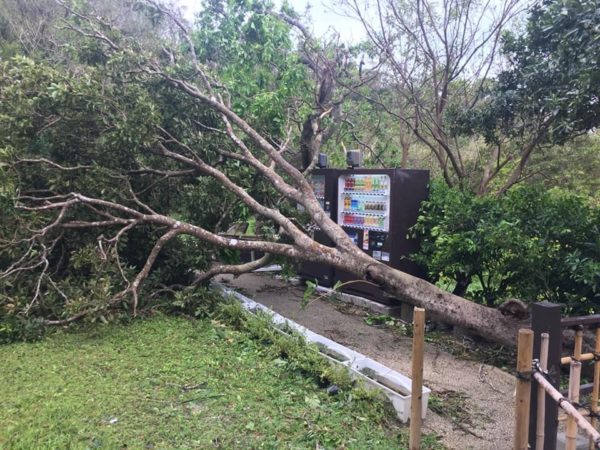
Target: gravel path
[{"x": 487, "y": 391}]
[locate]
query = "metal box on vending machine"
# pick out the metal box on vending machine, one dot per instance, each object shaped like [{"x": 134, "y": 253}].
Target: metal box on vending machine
[{"x": 324, "y": 184}]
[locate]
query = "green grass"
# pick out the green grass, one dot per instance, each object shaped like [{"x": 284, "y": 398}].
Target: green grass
[{"x": 172, "y": 383}]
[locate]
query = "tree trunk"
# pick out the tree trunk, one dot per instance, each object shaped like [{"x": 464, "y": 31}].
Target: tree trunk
[
  {"x": 462, "y": 284},
  {"x": 441, "y": 306},
  {"x": 486, "y": 322},
  {"x": 310, "y": 140}
]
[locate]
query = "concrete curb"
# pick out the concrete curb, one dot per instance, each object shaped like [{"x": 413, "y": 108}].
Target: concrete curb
[{"x": 374, "y": 375}]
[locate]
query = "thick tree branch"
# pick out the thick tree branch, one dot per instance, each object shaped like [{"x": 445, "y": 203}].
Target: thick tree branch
[{"x": 232, "y": 269}]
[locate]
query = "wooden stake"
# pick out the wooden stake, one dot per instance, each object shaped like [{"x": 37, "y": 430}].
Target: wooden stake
[
  {"x": 541, "y": 395},
  {"x": 596, "y": 388},
  {"x": 417, "y": 378},
  {"x": 524, "y": 360},
  {"x": 574, "y": 382}
]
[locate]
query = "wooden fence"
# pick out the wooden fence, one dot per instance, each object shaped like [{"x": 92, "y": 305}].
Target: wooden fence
[{"x": 539, "y": 369}]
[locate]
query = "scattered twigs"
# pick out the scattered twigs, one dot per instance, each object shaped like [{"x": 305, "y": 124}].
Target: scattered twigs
[
  {"x": 482, "y": 375},
  {"x": 338, "y": 288}
]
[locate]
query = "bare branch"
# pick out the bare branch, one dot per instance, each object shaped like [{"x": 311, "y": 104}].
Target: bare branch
[
  {"x": 53, "y": 164},
  {"x": 233, "y": 269},
  {"x": 141, "y": 276}
]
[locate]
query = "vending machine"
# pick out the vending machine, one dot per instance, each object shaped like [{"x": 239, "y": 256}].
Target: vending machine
[
  {"x": 324, "y": 184},
  {"x": 376, "y": 208}
]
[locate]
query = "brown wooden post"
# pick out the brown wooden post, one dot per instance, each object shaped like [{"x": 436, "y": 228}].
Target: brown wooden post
[
  {"x": 545, "y": 318},
  {"x": 416, "y": 391},
  {"x": 523, "y": 394}
]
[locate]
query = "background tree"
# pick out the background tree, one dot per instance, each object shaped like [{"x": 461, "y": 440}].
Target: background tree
[
  {"x": 436, "y": 58},
  {"x": 549, "y": 93}
]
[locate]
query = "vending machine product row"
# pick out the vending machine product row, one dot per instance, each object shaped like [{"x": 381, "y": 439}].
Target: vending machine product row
[{"x": 376, "y": 208}]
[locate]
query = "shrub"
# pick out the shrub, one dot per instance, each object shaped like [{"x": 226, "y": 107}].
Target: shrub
[{"x": 531, "y": 243}]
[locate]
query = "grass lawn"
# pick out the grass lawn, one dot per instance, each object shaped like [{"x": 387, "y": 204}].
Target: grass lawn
[{"x": 172, "y": 383}]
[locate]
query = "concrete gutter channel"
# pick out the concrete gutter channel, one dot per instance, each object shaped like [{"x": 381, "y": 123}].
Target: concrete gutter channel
[{"x": 373, "y": 374}]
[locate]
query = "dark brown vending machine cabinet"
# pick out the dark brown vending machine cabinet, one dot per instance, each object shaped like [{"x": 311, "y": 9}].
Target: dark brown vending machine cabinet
[
  {"x": 377, "y": 207},
  {"x": 324, "y": 182}
]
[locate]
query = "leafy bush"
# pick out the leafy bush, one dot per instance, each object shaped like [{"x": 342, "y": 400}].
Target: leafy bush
[{"x": 531, "y": 243}]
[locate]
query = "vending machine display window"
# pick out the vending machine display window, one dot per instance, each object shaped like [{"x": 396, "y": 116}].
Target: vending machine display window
[
  {"x": 318, "y": 185},
  {"x": 364, "y": 201}
]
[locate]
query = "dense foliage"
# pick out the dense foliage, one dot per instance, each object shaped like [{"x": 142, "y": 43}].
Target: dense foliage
[
  {"x": 79, "y": 107},
  {"x": 557, "y": 65},
  {"x": 94, "y": 120},
  {"x": 532, "y": 243},
  {"x": 548, "y": 94},
  {"x": 254, "y": 56}
]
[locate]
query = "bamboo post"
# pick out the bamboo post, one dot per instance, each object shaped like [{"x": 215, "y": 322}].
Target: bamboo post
[
  {"x": 596, "y": 388},
  {"x": 574, "y": 382},
  {"x": 541, "y": 397},
  {"x": 524, "y": 360},
  {"x": 584, "y": 357},
  {"x": 417, "y": 378}
]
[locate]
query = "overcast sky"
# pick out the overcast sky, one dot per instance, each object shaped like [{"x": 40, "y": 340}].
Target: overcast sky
[{"x": 322, "y": 17}]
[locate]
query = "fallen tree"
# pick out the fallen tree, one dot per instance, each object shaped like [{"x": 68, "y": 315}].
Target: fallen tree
[{"x": 179, "y": 148}]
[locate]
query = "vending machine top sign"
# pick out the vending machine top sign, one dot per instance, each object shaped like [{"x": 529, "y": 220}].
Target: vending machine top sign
[{"x": 364, "y": 201}]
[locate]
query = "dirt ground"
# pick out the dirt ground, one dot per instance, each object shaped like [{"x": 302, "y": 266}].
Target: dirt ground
[{"x": 480, "y": 394}]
